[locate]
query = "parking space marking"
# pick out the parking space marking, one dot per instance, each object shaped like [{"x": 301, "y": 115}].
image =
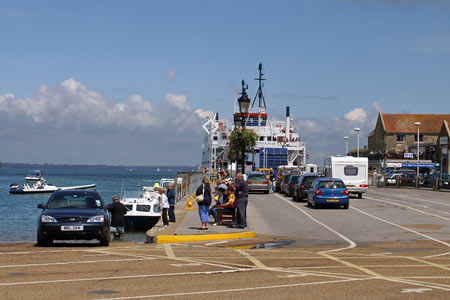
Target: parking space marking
[
  {"x": 352, "y": 243},
  {"x": 233, "y": 290},
  {"x": 251, "y": 258},
  {"x": 71, "y": 280},
  {"x": 402, "y": 227},
  {"x": 215, "y": 243},
  {"x": 428, "y": 263},
  {"x": 437, "y": 255},
  {"x": 169, "y": 251},
  {"x": 71, "y": 262},
  {"x": 407, "y": 206}
]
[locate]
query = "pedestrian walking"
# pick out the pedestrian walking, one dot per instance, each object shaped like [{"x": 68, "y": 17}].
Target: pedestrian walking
[
  {"x": 204, "y": 191},
  {"x": 171, "y": 197},
  {"x": 165, "y": 206},
  {"x": 118, "y": 211},
  {"x": 241, "y": 194}
]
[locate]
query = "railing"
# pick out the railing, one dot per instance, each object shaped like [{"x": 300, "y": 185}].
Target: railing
[
  {"x": 186, "y": 184},
  {"x": 420, "y": 182}
]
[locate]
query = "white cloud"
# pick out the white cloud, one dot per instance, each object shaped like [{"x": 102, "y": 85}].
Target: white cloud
[
  {"x": 357, "y": 115},
  {"x": 62, "y": 118}
]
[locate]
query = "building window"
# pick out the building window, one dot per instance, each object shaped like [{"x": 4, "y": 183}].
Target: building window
[
  {"x": 215, "y": 138},
  {"x": 269, "y": 138},
  {"x": 401, "y": 138},
  {"x": 261, "y": 138},
  {"x": 420, "y": 137}
]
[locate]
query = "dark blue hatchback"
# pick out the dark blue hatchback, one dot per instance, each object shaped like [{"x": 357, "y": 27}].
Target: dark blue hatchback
[
  {"x": 73, "y": 215},
  {"x": 328, "y": 191}
]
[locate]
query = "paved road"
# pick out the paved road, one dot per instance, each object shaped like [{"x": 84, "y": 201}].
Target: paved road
[{"x": 392, "y": 244}]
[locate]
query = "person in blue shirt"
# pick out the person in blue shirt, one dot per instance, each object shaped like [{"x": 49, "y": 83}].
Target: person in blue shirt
[{"x": 171, "y": 196}]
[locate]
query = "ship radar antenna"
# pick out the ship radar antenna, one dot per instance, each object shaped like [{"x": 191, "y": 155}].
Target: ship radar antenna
[{"x": 259, "y": 93}]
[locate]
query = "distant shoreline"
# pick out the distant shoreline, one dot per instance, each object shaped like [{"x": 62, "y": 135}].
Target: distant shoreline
[{"x": 43, "y": 165}]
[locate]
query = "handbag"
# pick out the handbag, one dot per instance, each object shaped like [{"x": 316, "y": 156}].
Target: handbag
[{"x": 199, "y": 198}]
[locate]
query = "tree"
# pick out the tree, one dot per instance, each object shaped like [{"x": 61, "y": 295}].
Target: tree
[{"x": 242, "y": 140}]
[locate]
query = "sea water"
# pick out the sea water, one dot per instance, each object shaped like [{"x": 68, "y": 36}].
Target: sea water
[{"x": 19, "y": 213}]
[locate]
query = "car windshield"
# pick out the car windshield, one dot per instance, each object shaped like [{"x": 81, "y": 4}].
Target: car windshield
[
  {"x": 256, "y": 177},
  {"x": 332, "y": 184},
  {"x": 75, "y": 200}
]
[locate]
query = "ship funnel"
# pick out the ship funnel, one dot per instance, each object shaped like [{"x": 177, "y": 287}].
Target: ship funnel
[
  {"x": 217, "y": 116},
  {"x": 288, "y": 124}
]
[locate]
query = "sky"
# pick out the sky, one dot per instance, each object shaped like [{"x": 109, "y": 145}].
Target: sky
[{"x": 131, "y": 82}]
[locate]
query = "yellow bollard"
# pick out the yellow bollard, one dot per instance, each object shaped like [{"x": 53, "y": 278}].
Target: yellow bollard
[{"x": 189, "y": 204}]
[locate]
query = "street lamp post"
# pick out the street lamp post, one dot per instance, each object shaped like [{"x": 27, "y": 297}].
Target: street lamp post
[
  {"x": 357, "y": 150},
  {"x": 239, "y": 119},
  {"x": 346, "y": 145},
  {"x": 418, "y": 147}
]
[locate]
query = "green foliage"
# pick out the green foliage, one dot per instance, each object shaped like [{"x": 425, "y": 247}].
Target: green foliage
[{"x": 239, "y": 139}]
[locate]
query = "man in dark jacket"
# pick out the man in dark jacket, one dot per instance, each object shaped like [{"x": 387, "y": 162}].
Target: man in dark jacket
[
  {"x": 242, "y": 200},
  {"x": 171, "y": 197},
  {"x": 118, "y": 212}
]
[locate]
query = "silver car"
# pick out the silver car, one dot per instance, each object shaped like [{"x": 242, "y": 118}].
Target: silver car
[{"x": 258, "y": 182}]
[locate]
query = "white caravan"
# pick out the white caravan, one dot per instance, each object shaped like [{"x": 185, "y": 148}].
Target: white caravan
[{"x": 352, "y": 170}]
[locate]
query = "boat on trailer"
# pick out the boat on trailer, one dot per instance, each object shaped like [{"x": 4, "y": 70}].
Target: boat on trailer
[{"x": 143, "y": 209}]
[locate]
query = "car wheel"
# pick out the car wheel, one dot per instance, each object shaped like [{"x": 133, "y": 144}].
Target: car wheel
[
  {"x": 345, "y": 206},
  {"x": 359, "y": 195},
  {"x": 308, "y": 203},
  {"x": 266, "y": 192},
  {"x": 104, "y": 241}
]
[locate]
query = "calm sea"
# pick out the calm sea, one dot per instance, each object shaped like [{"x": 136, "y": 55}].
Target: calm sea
[{"x": 19, "y": 213}]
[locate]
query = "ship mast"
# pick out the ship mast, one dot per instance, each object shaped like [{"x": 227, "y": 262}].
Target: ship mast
[{"x": 259, "y": 93}]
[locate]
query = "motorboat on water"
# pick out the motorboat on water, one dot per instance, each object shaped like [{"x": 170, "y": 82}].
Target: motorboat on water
[
  {"x": 143, "y": 209},
  {"x": 39, "y": 187},
  {"x": 33, "y": 176}
]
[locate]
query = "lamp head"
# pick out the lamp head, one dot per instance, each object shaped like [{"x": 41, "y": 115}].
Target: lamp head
[
  {"x": 417, "y": 123},
  {"x": 346, "y": 137},
  {"x": 357, "y": 129}
]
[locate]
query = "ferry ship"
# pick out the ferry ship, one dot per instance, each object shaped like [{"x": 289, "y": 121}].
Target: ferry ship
[{"x": 278, "y": 144}]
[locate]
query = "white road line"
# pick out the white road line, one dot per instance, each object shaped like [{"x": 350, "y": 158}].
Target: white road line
[
  {"x": 352, "y": 243},
  {"x": 403, "y": 227},
  {"x": 419, "y": 199},
  {"x": 122, "y": 277},
  {"x": 234, "y": 290},
  {"x": 437, "y": 255},
  {"x": 415, "y": 209},
  {"x": 67, "y": 250},
  {"x": 72, "y": 262}
]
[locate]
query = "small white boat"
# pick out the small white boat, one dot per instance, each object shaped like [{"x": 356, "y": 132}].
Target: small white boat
[
  {"x": 143, "y": 209},
  {"x": 39, "y": 187},
  {"x": 33, "y": 176}
]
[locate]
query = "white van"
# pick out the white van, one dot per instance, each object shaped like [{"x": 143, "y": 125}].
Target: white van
[{"x": 352, "y": 170}]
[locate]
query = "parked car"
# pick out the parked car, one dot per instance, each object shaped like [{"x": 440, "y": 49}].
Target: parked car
[
  {"x": 292, "y": 183},
  {"x": 73, "y": 215},
  {"x": 258, "y": 182},
  {"x": 284, "y": 184},
  {"x": 303, "y": 185},
  {"x": 328, "y": 191}
]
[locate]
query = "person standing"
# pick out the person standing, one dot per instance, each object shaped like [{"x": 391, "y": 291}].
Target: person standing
[
  {"x": 171, "y": 197},
  {"x": 242, "y": 201},
  {"x": 203, "y": 206},
  {"x": 118, "y": 211},
  {"x": 165, "y": 206}
]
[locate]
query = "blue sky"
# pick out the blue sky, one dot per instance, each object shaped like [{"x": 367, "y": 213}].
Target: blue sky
[{"x": 130, "y": 82}]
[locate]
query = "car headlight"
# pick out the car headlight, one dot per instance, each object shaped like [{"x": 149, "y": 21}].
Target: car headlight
[
  {"x": 97, "y": 219},
  {"x": 48, "y": 219}
]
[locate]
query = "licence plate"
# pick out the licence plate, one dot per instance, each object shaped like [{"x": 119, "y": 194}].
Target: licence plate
[
  {"x": 332, "y": 200},
  {"x": 350, "y": 185},
  {"x": 72, "y": 228}
]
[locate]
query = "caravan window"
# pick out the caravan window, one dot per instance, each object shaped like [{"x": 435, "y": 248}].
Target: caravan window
[{"x": 350, "y": 171}]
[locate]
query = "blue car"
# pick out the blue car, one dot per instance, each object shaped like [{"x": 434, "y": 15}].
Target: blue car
[
  {"x": 327, "y": 191},
  {"x": 73, "y": 215}
]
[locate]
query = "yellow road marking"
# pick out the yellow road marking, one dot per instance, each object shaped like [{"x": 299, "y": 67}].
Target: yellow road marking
[
  {"x": 169, "y": 251},
  {"x": 346, "y": 263},
  {"x": 163, "y": 239},
  {"x": 253, "y": 259},
  {"x": 429, "y": 263}
]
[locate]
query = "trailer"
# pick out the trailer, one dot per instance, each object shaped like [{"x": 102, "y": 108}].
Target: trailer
[{"x": 352, "y": 170}]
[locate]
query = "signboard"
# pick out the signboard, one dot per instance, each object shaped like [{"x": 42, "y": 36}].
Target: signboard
[
  {"x": 443, "y": 140},
  {"x": 179, "y": 180},
  {"x": 394, "y": 165},
  {"x": 408, "y": 155},
  {"x": 414, "y": 165}
]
